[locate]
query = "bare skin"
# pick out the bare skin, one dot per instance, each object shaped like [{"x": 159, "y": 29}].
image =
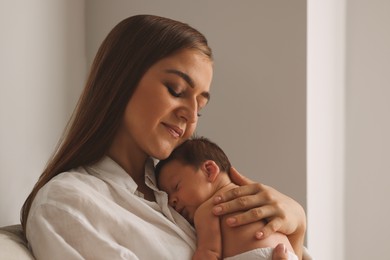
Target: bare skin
[
  {"x": 191, "y": 193},
  {"x": 235, "y": 240},
  {"x": 261, "y": 201}
]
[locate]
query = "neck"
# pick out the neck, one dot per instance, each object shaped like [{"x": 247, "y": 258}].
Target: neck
[
  {"x": 135, "y": 170},
  {"x": 127, "y": 154},
  {"x": 223, "y": 183},
  {"x": 134, "y": 164}
]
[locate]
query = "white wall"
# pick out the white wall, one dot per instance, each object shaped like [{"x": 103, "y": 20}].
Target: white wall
[
  {"x": 42, "y": 63},
  {"x": 325, "y": 128},
  {"x": 257, "y": 109}
]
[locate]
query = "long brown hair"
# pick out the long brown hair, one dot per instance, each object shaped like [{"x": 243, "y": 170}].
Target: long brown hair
[{"x": 128, "y": 51}]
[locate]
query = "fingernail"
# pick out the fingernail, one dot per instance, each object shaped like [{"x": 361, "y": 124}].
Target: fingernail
[
  {"x": 284, "y": 248},
  {"x": 231, "y": 221},
  {"x": 281, "y": 248},
  {"x": 217, "y": 199},
  {"x": 217, "y": 209}
]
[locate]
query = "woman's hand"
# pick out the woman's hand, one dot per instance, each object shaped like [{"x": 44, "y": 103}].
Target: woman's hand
[
  {"x": 280, "y": 253},
  {"x": 261, "y": 202}
]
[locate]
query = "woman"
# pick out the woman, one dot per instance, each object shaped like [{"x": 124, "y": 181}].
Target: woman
[{"x": 97, "y": 197}]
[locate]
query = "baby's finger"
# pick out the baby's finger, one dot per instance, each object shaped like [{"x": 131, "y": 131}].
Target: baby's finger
[{"x": 280, "y": 253}]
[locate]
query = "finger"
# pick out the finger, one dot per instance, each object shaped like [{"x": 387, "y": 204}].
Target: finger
[
  {"x": 252, "y": 215},
  {"x": 280, "y": 252},
  {"x": 237, "y": 178},
  {"x": 271, "y": 227},
  {"x": 250, "y": 189}
]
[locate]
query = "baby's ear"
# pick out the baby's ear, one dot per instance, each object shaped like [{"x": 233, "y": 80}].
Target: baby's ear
[{"x": 211, "y": 169}]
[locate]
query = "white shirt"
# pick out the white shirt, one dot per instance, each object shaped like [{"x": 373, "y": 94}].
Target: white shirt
[{"x": 96, "y": 212}]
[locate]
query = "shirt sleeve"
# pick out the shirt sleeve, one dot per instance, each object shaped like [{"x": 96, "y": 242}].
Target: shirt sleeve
[{"x": 56, "y": 233}]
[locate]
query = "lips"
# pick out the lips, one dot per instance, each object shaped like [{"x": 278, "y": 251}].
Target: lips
[
  {"x": 175, "y": 131},
  {"x": 185, "y": 214}
]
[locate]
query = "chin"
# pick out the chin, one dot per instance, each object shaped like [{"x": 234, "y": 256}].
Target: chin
[
  {"x": 161, "y": 157},
  {"x": 163, "y": 154}
]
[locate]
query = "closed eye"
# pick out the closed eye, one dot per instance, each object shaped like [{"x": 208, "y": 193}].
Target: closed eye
[{"x": 173, "y": 92}]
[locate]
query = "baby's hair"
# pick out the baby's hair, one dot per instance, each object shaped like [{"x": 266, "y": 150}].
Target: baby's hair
[{"x": 194, "y": 152}]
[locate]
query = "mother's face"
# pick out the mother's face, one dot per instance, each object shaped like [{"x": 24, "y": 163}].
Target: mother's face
[{"x": 163, "y": 111}]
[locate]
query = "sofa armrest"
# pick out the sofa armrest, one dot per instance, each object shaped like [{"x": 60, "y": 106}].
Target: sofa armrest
[{"x": 13, "y": 244}]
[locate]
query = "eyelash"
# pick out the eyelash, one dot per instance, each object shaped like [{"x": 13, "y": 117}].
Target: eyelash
[
  {"x": 172, "y": 92},
  {"x": 175, "y": 94}
]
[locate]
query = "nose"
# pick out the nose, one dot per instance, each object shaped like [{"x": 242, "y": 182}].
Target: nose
[
  {"x": 189, "y": 111},
  {"x": 173, "y": 202}
]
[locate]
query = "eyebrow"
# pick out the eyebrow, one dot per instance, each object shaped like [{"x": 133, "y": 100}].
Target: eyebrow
[
  {"x": 188, "y": 79},
  {"x": 183, "y": 75}
]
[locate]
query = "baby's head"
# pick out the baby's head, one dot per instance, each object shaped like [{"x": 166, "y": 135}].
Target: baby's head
[{"x": 189, "y": 174}]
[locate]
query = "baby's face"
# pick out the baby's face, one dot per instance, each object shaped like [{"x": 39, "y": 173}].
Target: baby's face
[{"x": 187, "y": 187}]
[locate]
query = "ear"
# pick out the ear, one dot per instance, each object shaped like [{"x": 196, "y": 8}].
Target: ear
[{"x": 211, "y": 169}]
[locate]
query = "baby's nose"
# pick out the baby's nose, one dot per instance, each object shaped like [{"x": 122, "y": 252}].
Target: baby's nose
[{"x": 173, "y": 202}]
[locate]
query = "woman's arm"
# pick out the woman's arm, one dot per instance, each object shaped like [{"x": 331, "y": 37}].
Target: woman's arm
[{"x": 282, "y": 213}]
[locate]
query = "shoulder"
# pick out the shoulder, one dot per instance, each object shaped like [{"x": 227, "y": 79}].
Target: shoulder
[
  {"x": 75, "y": 180},
  {"x": 73, "y": 189}
]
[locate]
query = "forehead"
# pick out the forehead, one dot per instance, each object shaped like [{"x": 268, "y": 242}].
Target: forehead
[
  {"x": 173, "y": 171},
  {"x": 168, "y": 172}
]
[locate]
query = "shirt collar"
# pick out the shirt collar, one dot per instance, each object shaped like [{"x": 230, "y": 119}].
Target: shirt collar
[
  {"x": 150, "y": 177},
  {"x": 108, "y": 170}
]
